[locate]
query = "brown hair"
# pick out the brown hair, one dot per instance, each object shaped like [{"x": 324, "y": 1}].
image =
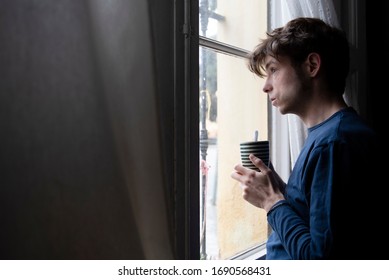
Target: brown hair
[{"x": 300, "y": 37}]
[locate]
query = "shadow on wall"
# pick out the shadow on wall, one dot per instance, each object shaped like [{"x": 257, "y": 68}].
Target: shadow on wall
[{"x": 78, "y": 128}]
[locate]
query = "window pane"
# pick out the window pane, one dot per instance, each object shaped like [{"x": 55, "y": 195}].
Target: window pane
[
  {"x": 238, "y": 23},
  {"x": 232, "y": 107}
]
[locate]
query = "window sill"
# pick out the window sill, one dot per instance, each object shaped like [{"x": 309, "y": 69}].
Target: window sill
[{"x": 253, "y": 253}]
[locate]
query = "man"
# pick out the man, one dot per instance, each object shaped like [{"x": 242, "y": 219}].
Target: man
[{"x": 324, "y": 210}]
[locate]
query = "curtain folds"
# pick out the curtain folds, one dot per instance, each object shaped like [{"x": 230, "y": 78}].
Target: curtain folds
[{"x": 122, "y": 34}]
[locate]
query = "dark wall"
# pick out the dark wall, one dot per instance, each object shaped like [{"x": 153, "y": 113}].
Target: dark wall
[{"x": 377, "y": 26}]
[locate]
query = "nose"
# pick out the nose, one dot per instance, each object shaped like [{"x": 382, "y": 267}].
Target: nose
[{"x": 267, "y": 87}]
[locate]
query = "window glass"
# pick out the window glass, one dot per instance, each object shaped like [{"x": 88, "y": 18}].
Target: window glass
[
  {"x": 232, "y": 22},
  {"x": 232, "y": 107}
]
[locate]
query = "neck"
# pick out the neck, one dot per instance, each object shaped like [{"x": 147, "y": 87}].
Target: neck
[{"x": 322, "y": 110}]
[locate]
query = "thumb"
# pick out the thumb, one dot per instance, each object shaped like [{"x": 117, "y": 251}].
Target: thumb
[{"x": 258, "y": 162}]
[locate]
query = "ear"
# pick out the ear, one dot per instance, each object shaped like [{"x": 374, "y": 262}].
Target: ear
[{"x": 313, "y": 64}]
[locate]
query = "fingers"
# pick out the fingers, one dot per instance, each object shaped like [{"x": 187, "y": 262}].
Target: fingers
[
  {"x": 238, "y": 171},
  {"x": 239, "y": 168}
]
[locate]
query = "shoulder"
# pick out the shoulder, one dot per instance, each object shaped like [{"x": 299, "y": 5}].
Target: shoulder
[
  {"x": 345, "y": 126},
  {"x": 344, "y": 137}
]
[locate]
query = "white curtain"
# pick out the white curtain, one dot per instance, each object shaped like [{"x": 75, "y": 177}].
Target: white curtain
[{"x": 288, "y": 132}]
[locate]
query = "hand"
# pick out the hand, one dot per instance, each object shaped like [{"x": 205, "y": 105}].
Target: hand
[
  {"x": 261, "y": 189},
  {"x": 279, "y": 182}
]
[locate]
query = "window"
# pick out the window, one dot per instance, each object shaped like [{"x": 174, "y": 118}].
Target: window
[{"x": 231, "y": 107}]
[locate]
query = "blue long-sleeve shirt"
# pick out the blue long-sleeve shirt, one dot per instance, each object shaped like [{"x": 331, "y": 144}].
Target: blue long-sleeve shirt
[{"x": 326, "y": 193}]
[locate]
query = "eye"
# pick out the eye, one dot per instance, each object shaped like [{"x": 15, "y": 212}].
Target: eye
[{"x": 271, "y": 70}]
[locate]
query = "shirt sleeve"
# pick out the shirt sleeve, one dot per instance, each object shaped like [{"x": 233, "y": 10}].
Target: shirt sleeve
[{"x": 310, "y": 238}]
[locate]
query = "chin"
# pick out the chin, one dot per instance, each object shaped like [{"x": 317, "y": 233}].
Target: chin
[{"x": 282, "y": 111}]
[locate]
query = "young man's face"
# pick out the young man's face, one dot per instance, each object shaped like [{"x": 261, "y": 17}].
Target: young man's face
[{"x": 287, "y": 89}]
